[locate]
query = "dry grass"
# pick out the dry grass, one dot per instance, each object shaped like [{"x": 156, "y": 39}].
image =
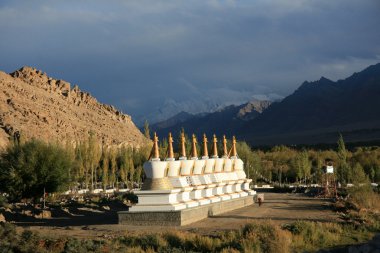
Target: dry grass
[
  {"x": 254, "y": 237},
  {"x": 365, "y": 197}
]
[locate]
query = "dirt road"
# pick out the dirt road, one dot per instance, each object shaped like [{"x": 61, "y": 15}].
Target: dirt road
[{"x": 279, "y": 207}]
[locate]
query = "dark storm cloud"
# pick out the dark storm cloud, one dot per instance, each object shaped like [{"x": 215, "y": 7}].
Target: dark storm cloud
[{"x": 146, "y": 55}]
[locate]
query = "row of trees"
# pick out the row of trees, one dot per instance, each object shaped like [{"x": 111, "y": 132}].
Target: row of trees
[
  {"x": 30, "y": 168},
  {"x": 284, "y": 164},
  {"x": 96, "y": 165},
  {"x": 27, "y": 169}
]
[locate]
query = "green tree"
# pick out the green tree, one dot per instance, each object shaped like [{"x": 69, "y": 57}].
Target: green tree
[
  {"x": 138, "y": 174},
  {"x": 344, "y": 170},
  {"x": 163, "y": 147},
  {"x": 255, "y": 167},
  {"x": 122, "y": 160},
  {"x": 248, "y": 157},
  {"x": 113, "y": 163},
  {"x": 303, "y": 165},
  {"x": 131, "y": 169},
  {"x": 360, "y": 176},
  {"x": 146, "y": 129},
  {"x": 105, "y": 168},
  {"x": 27, "y": 169},
  {"x": 94, "y": 154}
]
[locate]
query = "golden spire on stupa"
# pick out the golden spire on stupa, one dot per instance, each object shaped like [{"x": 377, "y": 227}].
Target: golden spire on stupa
[
  {"x": 194, "y": 153},
  {"x": 205, "y": 149},
  {"x": 170, "y": 151},
  {"x": 155, "y": 153},
  {"x": 225, "y": 152},
  {"x": 233, "y": 149},
  {"x": 183, "y": 146},
  {"x": 214, "y": 147}
]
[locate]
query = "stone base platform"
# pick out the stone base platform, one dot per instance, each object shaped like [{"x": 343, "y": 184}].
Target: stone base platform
[{"x": 182, "y": 217}]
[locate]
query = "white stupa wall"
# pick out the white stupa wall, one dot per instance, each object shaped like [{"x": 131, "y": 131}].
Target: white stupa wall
[{"x": 193, "y": 183}]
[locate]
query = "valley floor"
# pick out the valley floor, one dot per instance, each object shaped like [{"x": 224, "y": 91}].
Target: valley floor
[{"x": 280, "y": 208}]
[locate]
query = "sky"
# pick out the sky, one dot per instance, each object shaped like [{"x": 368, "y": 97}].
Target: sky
[{"x": 152, "y": 59}]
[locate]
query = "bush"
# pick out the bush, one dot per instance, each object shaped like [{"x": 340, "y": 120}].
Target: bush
[
  {"x": 153, "y": 241},
  {"x": 78, "y": 246},
  {"x": 174, "y": 239},
  {"x": 265, "y": 237},
  {"x": 311, "y": 236},
  {"x": 131, "y": 197},
  {"x": 8, "y": 238},
  {"x": 364, "y": 197},
  {"x": 3, "y": 201},
  {"x": 27, "y": 169}
]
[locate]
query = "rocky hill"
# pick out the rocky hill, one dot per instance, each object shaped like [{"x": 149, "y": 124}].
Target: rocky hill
[
  {"x": 318, "y": 111},
  {"x": 36, "y": 105}
]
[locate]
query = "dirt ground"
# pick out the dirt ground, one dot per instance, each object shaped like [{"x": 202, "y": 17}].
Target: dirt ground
[{"x": 280, "y": 208}]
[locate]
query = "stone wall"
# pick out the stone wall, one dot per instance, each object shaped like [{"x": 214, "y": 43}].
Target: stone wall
[{"x": 182, "y": 217}]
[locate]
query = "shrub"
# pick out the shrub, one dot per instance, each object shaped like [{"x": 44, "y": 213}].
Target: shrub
[
  {"x": 364, "y": 197},
  {"x": 206, "y": 243},
  {"x": 174, "y": 239},
  {"x": 79, "y": 246},
  {"x": 3, "y": 201},
  {"x": 153, "y": 241},
  {"x": 313, "y": 235},
  {"x": 131, "y": 197},
  {"x": 29, "y": 168},
  {"x": 8, "y": 237},
  {"x": 265, "y": 237}
]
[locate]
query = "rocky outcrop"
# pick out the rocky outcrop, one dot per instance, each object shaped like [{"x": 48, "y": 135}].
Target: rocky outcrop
[
  {"x": 33, "y": 104},
  {"x": 252, "y": 109}
]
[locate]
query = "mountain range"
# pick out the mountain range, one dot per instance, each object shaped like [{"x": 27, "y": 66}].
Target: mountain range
[
  {"x": 223, "y": 121},
  {"x": 317, "y": 112},
  {"x": 36, "y": 105}
]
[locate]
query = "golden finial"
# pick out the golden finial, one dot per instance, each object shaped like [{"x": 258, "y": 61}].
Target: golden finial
[
  {"x": 170, "y": 151},
  {"x": 194, "y": 152},
  {"x": 233, "y": 149},
  {"x": 155, "y": 154},
  {"x": 225, "y": 152},
  {"x": 215, "y": 147},
  {"x": 183, "y": 145},
  {"x": 205, "y": 149}
]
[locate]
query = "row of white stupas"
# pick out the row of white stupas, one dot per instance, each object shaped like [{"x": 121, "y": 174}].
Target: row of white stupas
[{"x": 185, "y": 183}]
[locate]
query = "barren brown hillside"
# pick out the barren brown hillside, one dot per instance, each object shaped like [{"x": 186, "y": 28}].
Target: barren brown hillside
[{"x": 39, "y": 106}]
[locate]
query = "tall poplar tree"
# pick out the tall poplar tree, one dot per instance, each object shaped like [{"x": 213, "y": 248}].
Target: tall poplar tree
[
  {"x": 105, "y": 168},
  {"x": 146, "y": 129},
  {"x": 131, "y": 168},
  {"x": 113, "y": 164},
  {"x": 344, "y": 170},
  {"x": 94, "y": 155}
]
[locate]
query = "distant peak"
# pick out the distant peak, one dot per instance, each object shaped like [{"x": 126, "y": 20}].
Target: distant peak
[{"x": 323, "y": 79}]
